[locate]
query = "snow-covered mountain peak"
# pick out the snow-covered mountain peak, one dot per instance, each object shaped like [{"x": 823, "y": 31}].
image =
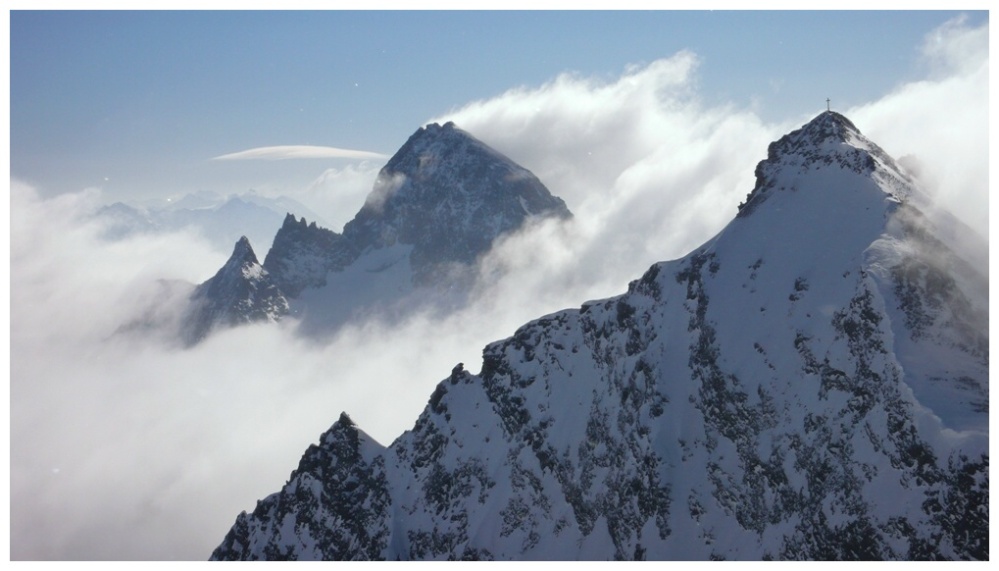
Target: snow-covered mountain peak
[
  {"x": 345, "y": 430},
  {"x": 243, "y": 251},
  {"x": 828, "y": 147},
  {"x": 441, "y": 165},
  {"x": 242, "y": 263},
  {"x": 828, "y": 125},
  {"x": 812, "y": 383},
  {"x": 448, "y": 195},
  {"x": 241, "y": 292},
  {"x": 427, "y": 146},
  {"x": 302, "y": 254}
]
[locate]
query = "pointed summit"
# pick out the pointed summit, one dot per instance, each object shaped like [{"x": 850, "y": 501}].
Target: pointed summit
[
  {"x": 434, "y": 146},
  {"x": 344, "y": 479},
  {"x": 829, "y": 124},
  {"x": 243, "y": 252},
  {"x": 241, "y": 261},
  {"x": 444, "y": 165},
  {"x": 448, "y": 195},
  {"x": 240, "y": 292},
  {"x": 302, "y": 254},
  {"x": 831, "y": 143}
]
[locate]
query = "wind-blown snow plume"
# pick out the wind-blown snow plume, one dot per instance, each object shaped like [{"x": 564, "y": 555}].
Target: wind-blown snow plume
[
  {"x": 939, "y": 127},
  {"x": 650, "y": 171}
]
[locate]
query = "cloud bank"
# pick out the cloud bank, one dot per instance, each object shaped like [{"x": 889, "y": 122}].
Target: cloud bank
[{"x": 124, "y": 448}]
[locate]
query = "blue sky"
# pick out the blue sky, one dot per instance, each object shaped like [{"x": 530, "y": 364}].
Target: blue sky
[{"x": 137, "y": 103}]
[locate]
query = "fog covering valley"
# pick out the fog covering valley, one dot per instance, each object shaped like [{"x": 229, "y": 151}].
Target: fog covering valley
[{"x": 126, "y": 447}]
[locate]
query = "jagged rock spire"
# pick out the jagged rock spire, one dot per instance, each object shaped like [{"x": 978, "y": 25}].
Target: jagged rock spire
[
  {"x": 242, "y": 252},
  {"x": 240, "y": 292},
  {"x": 303, "y": 254}
]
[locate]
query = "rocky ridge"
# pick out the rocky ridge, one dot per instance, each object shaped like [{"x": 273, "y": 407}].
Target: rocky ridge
[{"x": 812, "y": 383}]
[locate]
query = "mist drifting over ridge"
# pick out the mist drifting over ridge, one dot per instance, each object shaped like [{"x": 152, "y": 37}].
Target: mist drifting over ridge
[{"x": 145, "y": 436}]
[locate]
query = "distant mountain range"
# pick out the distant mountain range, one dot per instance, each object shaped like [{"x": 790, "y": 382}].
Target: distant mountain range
[
  {"x": 222, "y": 220},
  {"x": 811, "y": 383}
]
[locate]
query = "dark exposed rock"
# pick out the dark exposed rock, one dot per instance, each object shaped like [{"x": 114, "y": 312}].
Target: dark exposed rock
[{"x": 241, "y": 292}]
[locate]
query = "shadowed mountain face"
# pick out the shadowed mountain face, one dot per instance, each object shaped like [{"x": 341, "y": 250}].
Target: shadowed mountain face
[
  {"x": 449, "y": 196},
  {"x": 241, "y": 292},
  {"x": 812, "y": 383},
  {"x": 436, "y": 207}
]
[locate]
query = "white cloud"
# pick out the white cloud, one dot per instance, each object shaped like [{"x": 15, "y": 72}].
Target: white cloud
[
  {"x": 940, "y": 125},
  {"x": 122, "y": 448},
  {"x": 956, "y": 49},
  {"x": 285, "y": 152},
  {"x": 647, "y": 169},
  {"x": 338, "y": 193}
]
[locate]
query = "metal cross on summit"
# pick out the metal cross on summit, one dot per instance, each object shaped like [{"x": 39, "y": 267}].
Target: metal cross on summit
[{"x": 827, "y": 104}]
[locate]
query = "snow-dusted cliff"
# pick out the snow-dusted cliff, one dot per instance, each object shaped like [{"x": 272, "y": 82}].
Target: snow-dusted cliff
[{"x": 812, "y": 383}]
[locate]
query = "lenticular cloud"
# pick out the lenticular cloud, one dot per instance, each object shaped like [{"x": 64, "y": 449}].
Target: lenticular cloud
[{"x": 285, "y": 152}]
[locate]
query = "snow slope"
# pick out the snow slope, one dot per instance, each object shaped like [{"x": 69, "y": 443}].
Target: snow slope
[{"x": 812, "y": 383}]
